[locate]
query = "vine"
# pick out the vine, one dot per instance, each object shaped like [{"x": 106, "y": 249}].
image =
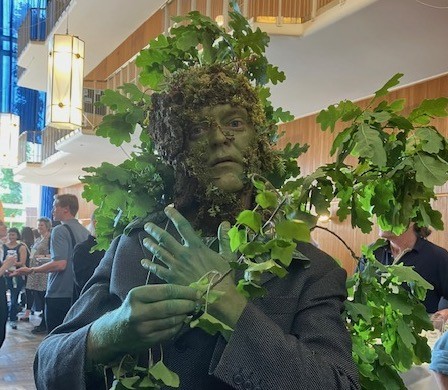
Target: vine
[{"x": 400, "y": 159}]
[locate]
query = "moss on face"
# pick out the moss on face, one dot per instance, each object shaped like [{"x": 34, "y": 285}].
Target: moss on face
[{"x": 174, "y": 115}]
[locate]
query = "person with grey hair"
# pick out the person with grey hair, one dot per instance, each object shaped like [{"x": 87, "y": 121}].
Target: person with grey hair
[
  {"x": 37, "y": 282},
  {"x": 64, "y": 237}
]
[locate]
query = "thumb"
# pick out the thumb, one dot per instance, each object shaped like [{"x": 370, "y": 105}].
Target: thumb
[{"x": 224, "y": 241}]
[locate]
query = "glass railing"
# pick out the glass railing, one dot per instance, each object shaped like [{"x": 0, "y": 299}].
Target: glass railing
[
  {"x": 36, "y": 146},
  {"x": 33, "y": 28},
  {"x": 30, "y": 147},
  {"x": 55, "y": 8}
]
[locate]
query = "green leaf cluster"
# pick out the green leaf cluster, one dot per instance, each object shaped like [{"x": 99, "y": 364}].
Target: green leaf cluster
[
  {"x": 400, "y": 159},
  {"x": 386, "y": 321},
  {"x": 136, "y": 187},
  {"x": 129, "y": 376}
]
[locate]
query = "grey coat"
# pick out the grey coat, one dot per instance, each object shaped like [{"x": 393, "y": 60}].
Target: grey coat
[{"x": 294, "y": 338}]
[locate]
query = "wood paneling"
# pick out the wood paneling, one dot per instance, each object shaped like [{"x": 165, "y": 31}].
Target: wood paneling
[{"x": 130, "y": 47}]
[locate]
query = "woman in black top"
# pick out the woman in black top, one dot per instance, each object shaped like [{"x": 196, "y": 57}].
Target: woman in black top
[{"x": 15, "y": 284}]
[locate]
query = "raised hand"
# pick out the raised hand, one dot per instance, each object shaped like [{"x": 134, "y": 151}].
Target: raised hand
[{"x": 188, "y": 262}]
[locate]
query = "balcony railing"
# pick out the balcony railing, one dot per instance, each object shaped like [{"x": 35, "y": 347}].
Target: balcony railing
[
  {"x": 37, "y": 146},
  {"x": 33, "y": 28},
  {"x": 30, "y": 147},
  {"x": 55, "y": 8}
]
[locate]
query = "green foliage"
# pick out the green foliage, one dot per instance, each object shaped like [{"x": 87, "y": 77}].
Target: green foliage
[
  {"x": 399, "y": 160},
  {"x": 386, "y": 321},
  {"x": 11, "y": 192}
]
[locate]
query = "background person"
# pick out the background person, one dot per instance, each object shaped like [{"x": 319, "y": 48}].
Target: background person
[
  {"x": 14, "y": 282},
  {"x": 37, "y": 282},
  {"x": 60, "y": 287},
  {"x": 85, "y": 260},
  {"x": 27, "y": 238},
  {"x": 429, "y": 260},
  {"x": 4, "y": 267}
]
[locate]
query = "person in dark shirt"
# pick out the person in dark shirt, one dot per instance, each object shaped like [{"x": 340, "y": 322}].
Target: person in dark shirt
[
  {"x": 85, "y": 262},
  {"x": 429, "y": 260}
]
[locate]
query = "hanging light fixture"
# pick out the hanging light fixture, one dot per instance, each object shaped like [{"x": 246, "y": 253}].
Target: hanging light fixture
[
  {"x": 9, "y": 136},
  {"x": 65, "y": 82}
]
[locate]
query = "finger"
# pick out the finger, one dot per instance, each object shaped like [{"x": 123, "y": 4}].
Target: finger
[
  {"x": 224, "y": 241},
  {"x": 183, "y": 226},
  {"x": 158, "y": 251},
  {"x": 157, "y": 269},
  {"x": 158, "y": 325},
  {"x": 160, "y": 292},
  {"x": 161, "y": 236},
  {"x": 158, "y": 337}
]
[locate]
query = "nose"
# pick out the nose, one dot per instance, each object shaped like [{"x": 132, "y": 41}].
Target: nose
[{"x": 216, "y": 135}]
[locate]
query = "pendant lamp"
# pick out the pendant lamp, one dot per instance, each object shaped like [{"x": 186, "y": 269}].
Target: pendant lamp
[
  {"x": 9, "y": 140},
  {"x": 65, "y": 82}
]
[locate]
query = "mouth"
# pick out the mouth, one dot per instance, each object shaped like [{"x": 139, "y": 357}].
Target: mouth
[{"x": 222, "y": 161}]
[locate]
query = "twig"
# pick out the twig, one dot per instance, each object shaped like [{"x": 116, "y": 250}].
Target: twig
[{"x": 340, "y": 239}]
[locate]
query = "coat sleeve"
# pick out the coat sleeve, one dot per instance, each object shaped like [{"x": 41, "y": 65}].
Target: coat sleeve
[
  {"x": 266, "y": 352},
  {"x": 70, "y": 339}
]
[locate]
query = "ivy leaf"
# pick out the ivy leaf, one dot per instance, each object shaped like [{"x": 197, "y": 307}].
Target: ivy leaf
[
  {"x": 211, "y": 325},
  {"x": 187, "y": 40},
  {"x": 129, "y": 382},
  {"x": 267, "y": 266},
  {"x": 249, "y": 289},
  {"x": 429, "y": 170},
  {"x": 237, "y": 237},
  {"x": 294, "y": 230},
  {"x": 250, "y": 219},
  {"x": 252, "y": 249},
  {"x": 266, "y": 199},
  {"x": 162, "y": 373},
  {"x": 392, "y": 82},
  {"x": 281, "y": 250}
]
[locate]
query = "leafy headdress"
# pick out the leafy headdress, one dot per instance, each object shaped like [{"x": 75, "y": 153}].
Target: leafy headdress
[{"x": 198, "y": 64}]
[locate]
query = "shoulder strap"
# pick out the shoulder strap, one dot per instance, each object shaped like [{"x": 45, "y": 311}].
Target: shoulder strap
[{"x": 71, "y": 234}]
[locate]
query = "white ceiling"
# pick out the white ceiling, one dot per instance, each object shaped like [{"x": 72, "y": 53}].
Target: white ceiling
[
  {"x": 355, "y": 56},
  {"x": 348, "y": 58},
  {"x": 102, "y": 24}
]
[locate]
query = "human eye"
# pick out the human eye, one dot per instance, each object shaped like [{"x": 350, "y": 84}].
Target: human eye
[
  {"x": 198, "y": 130},
  {"x": 236, "y": 124}
]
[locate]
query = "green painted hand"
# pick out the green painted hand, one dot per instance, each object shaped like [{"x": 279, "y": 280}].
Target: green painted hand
[
  {"x": 188, "y": 262},
  {"x": 148, "y": 316}
]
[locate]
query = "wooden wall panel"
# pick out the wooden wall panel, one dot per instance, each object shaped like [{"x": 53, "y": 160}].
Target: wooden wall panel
[{"x": 130, "y": 47}]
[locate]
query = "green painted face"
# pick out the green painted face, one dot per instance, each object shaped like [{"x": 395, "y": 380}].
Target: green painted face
[{"x": 219, "y": 146}]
